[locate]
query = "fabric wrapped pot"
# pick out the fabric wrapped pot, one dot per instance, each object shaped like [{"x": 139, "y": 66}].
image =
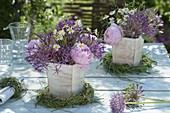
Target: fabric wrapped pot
[
  {"x": 67, "y": 81},
  {"x": 128, "y": 51}
]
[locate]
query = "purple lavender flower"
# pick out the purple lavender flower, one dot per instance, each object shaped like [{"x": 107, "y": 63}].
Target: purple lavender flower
[{"x": 117, "y": 103}]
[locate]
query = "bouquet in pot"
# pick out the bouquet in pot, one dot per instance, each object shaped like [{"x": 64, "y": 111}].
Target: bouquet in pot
[
  {"x": 66, "y": 44},
  {"x": 132, "y": 23},
  {"x": 127, "y": 30}
]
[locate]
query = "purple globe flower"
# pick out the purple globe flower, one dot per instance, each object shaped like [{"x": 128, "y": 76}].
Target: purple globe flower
[
  {"x": 117, "y": 103},
  {"x": 32, "y": 46},
  {"x": 62, "y": 24},
  {"x": 87, "y": 38},
  {"x": 142, "y": 23}
]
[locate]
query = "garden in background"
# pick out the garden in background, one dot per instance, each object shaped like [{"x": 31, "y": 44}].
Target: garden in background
[{"x": 45, "y": 14}]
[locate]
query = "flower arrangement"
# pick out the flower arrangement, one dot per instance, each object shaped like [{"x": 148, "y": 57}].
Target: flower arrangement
[
  {"x": 132, "y": 23},
  {"x": 67, "y": 44},
  {"x": 131, "y": 98}
]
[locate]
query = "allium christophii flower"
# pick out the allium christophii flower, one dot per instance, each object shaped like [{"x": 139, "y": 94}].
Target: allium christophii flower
[
  {"x": 65, "y": 23},
  {"x": 33, "y": 46},
  {"x": 81, "y": 54},
  {"x": 97, "y": 49},
  {"x": 37, "y": 56},
  {"x": 113, "y": 34},
  {"x": 133, "y": 93},
  {"x": 145, "y": 22},
  {"x": 87, "y": 38},
  {"x": 137, "y": 24},
  {"x": 117, "y": 103}
]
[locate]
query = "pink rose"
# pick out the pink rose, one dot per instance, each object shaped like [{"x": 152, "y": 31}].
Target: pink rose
[
  {"x": 81, "y": 54},
  {"x": 113, "y": 34}
]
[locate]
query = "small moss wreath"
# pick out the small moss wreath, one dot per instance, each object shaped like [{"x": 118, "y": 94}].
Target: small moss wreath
[
  {"x": 44, "y": 98},
  {"x": 145, "y": 65},
  {"x": 13, "y": 82}
]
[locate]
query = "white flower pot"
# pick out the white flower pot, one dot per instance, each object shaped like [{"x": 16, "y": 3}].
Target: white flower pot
[
  {"x": 128, "y": 51},
  {"x": 67, "y": 81}
]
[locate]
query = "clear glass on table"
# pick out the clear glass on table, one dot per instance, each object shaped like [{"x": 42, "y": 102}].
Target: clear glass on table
[
  {"x": 20, "y": 33},
  {"x": 6, "y": 47}
]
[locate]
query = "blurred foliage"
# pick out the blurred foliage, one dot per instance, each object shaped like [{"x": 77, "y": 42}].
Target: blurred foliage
[
  {"x": 137, "y": 3},
  {"x": 164, "y": 7},
  {"x": 165, "y": 37},
  {"x": 42, "y": 15},
  {"x": 9, "y": 12}
]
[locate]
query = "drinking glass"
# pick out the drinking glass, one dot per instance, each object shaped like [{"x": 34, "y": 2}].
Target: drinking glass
[
  {"x": 6, "y": 47},
  {"x": 20, "y": 33}
]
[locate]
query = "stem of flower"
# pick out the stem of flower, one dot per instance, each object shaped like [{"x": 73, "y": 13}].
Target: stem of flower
[
  {"x": 152, "y": 98},
  {"x": 160, "y": 102}
]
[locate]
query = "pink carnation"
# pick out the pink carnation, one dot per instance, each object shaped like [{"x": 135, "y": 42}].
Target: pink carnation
[
  {"x": 113, "y": 34},
  {"x": 81, "y": 54}
]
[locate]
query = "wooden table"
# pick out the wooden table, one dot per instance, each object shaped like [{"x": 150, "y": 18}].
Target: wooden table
[{"x": 156, "y": 85}]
